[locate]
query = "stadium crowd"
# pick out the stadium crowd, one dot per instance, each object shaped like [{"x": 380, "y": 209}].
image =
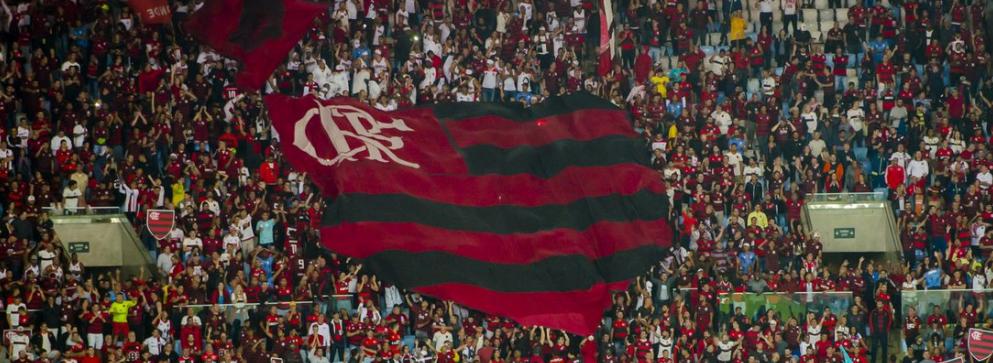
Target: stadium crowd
[{"x": 747, "y": 107}]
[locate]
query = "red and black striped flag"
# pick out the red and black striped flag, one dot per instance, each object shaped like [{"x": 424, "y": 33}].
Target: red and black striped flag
[
  {"x": 160, "y": 222},
  {"x": 257, "y": 33},
  {"x": 980, "y": 344},
  {"x": 533, "y": 214}
]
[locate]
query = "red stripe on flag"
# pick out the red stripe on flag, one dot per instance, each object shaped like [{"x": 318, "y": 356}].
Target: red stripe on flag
[
  {"x": 578, "y": 312},
  {"x": 364, "y": 239},
  {"x": 580, "y": 125},
  {"x": 489, "y": 190}
]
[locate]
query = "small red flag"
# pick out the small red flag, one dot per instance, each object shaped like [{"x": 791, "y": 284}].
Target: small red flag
[
  {"x": 160, "y": 222},
  {"x": 257, "y": 33},
  {"x": 152, "y": 11},
  {"x": 980, "y": 343}
]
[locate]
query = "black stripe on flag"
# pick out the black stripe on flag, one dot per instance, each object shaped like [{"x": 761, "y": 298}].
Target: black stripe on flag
[
  {"x": 503, "y": 219},
  {"x": 514, "y": 111},
  {"x": 549, "y": 159},
  {"x": 559, "y": 273}
]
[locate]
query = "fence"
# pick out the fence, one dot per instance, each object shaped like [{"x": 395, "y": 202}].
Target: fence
[
  {"x": 786, "y": 305},
  {"x": 328, "y": 304},
  {"x": 949, "y": 302},
  {"x": 88, "y": 210},
  {"x": 846, "y": 197}
]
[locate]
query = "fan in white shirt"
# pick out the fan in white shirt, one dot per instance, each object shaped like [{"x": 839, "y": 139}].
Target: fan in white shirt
[
  {"x": 718, "y": 63},
  {"x": 856, "y": 117},
  {"x": 722, "y": 119},
  {"x": 13, "y": 317},
  {"x": 70, "y": 197},
  {"x": 232, "y": 240},
  {"x": 917, "y": 167},
  {"x": 734, "y": 160},
  {"x": 191, "y": 320},
  {"x": 809, "y": 116},
  {"x": 191, "y": 242},
  {"x": 164, "y": 261},
  {"x": 155, "y": 342},
  {"x": 765, "y": 6},
  {"x": 19, "y": 344},
  {"x": 769, "y": 84},
  {"x": 58, "y": 139},
  {"x": 900, "y": 157},
  {"x": 985, "y": 178}
]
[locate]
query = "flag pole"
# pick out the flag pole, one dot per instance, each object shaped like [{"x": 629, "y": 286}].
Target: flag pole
[{"x": 172, "y": 26}]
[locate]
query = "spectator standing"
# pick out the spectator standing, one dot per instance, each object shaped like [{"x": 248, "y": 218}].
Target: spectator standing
[{"x": 880, "y": 323}]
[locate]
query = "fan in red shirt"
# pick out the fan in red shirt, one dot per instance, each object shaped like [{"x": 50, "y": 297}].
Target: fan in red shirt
[
  {"x": 619, "y": 329},
  {"x": 353, "y": 331},
  {"x": 132, "y": 348},
  {"x": 209, "y": 355},
  {"x": 446, "y": 354}
]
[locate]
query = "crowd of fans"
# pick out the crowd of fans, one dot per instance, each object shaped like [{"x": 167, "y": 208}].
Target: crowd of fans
[{"x": 746, "y": 106}]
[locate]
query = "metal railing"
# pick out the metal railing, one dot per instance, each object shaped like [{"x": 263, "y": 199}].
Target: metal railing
[
  {"x": 845, "y": 197},
  {"x": 88, "y": 210},
  {"x": 785, "y": 304},
  {"x": 327, "y": 299},
  {"x": 947, "y": 301}
]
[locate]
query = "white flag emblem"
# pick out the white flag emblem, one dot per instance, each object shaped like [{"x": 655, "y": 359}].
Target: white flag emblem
[{"x": 365, "y": 130}]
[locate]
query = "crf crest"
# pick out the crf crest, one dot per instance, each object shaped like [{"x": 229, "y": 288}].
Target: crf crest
[{"x": 364, "y": 130}]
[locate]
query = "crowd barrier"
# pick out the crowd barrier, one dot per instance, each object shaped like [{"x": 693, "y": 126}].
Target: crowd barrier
[
  {"x": 88, "y": 210},
  {"x": 786, "y": 305},
  {"x": 947, "y": 301},
  {"x": 846, "y": 197}
]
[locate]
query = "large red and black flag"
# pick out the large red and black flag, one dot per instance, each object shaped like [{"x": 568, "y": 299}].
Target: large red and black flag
[
  {"x": 533, "y": 214},
  {"x": 257, "y": 33}
]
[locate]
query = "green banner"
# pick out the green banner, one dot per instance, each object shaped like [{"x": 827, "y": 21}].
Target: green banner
[
  {"x": 79, "y": 247},
  {"x": 844, "y": 233}
]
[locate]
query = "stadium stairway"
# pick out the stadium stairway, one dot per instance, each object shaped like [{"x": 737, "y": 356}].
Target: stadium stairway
[
  {"x": 107, "y": 241},
  {"x": 859, "y": 223}
]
